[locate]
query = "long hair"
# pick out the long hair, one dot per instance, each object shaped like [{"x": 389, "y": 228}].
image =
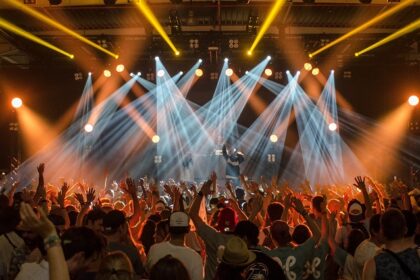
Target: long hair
[
  {"x": 169, "y": 268},
  {"x": 115, "y": 266}
]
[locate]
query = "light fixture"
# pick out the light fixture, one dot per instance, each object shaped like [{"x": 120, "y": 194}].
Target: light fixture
[
  {"x": 307, "y": 66},
  {"x": 273, "y": 138},
  {"x": 17, "y": 102},
  {"x": 156, "y": 57},
  {"x": 160, "y": 73},
  {"x": 229, "y": 72},
  {"x": 268, "y": 72},
  {"x": 199, "y": 72},
  {"x": 88, "y": 128},
  {"x": 155, "y": 139},
  {"x": 107, "y": 73},
  {"x": 315, "y": 71},
  {"x": 194, "y": 44},
  {"x": 138, "y": 73},
  {"x": 332, "y": 126},
  {"x": 120, "y": 68},
  {"x": 226, "y": 59},
  {"x": 233, "y": 43},
  {"x": 413, "y": 100}
]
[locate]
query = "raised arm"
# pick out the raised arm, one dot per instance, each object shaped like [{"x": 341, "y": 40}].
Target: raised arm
[
  {"x": 195, "y": 207},
  {"x": 84, "y": 205},
  {"x": 298, "y": 206},
  {"x": 225, "y": 155},
  {"x": 40, "y": 189},
  {"x": 61, "y": 197},
  {"x": 360, "y": 184},
  {"x": 131, "y": 189}
]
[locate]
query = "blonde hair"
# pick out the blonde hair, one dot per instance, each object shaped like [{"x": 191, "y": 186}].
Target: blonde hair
[{"x": 115, "y": 266}]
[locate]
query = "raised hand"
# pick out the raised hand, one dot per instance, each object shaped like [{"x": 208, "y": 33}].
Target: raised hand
[
  {"x": 298, "y": 205},
  {"x": 79, "y": 197},
  {"x": 131, "y": 187},
  {"x": 213, "y": 176},
  {"x": 168, "y": 190},
  {"x": 90, "y": 196},
  {"x": 256, "y": 204},
  {"x": 61, "y": 196},
  {"x": 176, "y": 194},
  {"x": 41, "y": 225},
  {"x": 360, "y": 183},
  {"x": 41, "y": 168},
  {"x": 206, "y": 188}
]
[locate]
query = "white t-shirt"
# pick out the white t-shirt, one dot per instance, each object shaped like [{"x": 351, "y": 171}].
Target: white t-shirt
[
  {"x": 364, "y": 252},
  {"x": 34, "y": 271},
  {"x": 189, "y": 258},
  {"x": 8, "y": 243}
]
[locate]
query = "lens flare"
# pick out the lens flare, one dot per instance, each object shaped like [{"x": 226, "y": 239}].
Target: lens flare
[
  {"x": 88, "y": 128},
  {"x": 199, "y": 72},
  {"x": 120, "y": 68},
  {"x": 307, "y": 66},
  {"x": 229, "y": 72},
  {"x": 413, "y": 100},
  {"x": 155, "y": 139},
  {"x": 332, "y": 126},
  {"x": 268, "y": 72},
  {"x": 107, "y": 73},
  {"x": 273, "y": 138},
  {"x": 17, "y": 102},
  {"x": 160, "y": 73}
]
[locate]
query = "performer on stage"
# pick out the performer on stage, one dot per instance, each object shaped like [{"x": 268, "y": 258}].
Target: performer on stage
[{"x": 233, "y": 159}]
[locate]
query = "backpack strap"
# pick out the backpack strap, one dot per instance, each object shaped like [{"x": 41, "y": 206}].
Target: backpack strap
[{"x": 403, "y": 266}]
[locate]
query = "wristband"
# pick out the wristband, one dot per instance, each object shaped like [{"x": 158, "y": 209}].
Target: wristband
[{"x": 51, "y": 241}]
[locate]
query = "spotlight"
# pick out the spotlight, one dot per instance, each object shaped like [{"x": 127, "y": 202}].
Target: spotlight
[
  {"x": 17, "y": 102},
  {"x": 268, "y": 57},
  {"x": 268, "y": 72},
  {"x": 332, "y": 71},
  {"x": 180, "y": 72},
  {"x": 200, "y": 60},
  {"x": 138, "y": 73},
  {"x": 315, "y": 71},
  {"x": 88, "y": 128},
  {"x": 298, "y": 72},
  {"x": 226, "y": 59},
  {"x": 249, "y": 53},
  {"x": 156, "y": 57},
  {"x": 246, "y": 72},
  {"x": 307, "y": 66},
  {"x": 229, "y": 72},
  {"x": 160, "y": 73},
  {"x": 413, "y": 100},
  {"x": 107, "y": 73},
  {"x": 287, "y": 71},
  {"x": 332, "y": 126},
  {"x": 120, "y": 68},
  {"x": 132, "y": 74},
  {"x": 90, "y": 73},
  {"x": 199, "y": 72},
  {"x": 273, "y": 138},
  {"x": 155, "y": 139},
  {"x": 177, "y": 53}
]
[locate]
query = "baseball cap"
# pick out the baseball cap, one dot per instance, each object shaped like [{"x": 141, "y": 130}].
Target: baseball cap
[
  {"x": 113, "y": 220},
  {"x": 179, "y": 219}
]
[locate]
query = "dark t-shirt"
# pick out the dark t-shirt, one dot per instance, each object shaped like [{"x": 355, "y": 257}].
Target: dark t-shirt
[
  {"x": 264, "y": 267},
  {"x": 131, "y": 253}
]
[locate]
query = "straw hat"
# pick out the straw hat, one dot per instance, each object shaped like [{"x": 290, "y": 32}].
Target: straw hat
[{"x": 236, "y": 253}]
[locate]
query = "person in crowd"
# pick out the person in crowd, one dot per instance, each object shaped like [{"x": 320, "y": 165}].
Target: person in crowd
[
  {"x": 169, "y": 267},
  {"x": 179, "y": 226},
  {"x": 115, "y": 266},
  {"x": 398, "y": 259}
]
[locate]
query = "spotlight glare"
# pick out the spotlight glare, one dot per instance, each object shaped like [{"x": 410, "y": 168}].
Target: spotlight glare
[
  {"x": 88, "y": 128},
  {"x": 273, "y": 138},
  {"x": 307, "y": 66},
  {"x": 177, "y": 53},
  {"x": 132, "y": 74},
  {"x": 268, "y": 72},
  {"x": 226, "y": 59},
  {"x": 156, "y": 57},
  {"x": 287, "y": 71},
  {"x": 90, "y": 73},
  {"x": 199, "y": 72},
  {"x": 249, "y": 52},
  {"x": 413, "y": 100},
  {"x": 298, "y": 72},
  {"x": 315, "y": 71},
  {"x": 120, "y": 68},
  {"x": 107, "y": 73},
  {"x": 246, "y": 72},
  {"x": 332, "y": 126},
  {"x": 17, "y": 102},
  {"x": 155, "y": 139},
  {"x": 200, "y": 60},
  {"x": 160, "y": 73},
  {"x": 269, "y": 57},
  {"x": 229, "y": 72},
  {"x": 138, "y": 73},
  {"x": 180, "y": 72}
]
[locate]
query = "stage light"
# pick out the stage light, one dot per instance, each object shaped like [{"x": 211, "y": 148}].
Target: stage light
[
  {"x": 180, "y": 72},
  {"x": 90, "y": 73},
  {"x": 246, "y": 72},
  {"x": 226, "y": 59},
  {"x": 200, "y": 60},
  {"x": 249, "y": 53},
  {"x": 413, "y": 100},
  {"x": 268, "y": 72},
  {"x": 298, "y": 72},
  {"x": 138, "y": 73},
  {"x": 88, "y": 128},
  {"x": 332, "y": 126},
  {"x": 407, "y": 29},
  {"x": 17, "y": 102},
  {"x": 31, "y": 11},
  {"x": 155, "y": 139},
  {"x": 156, "y": 58},
  {"x": 287, "y": 71},
  {"x": 147, "y": 12},
  {"x": 160, "y": 73},
  {"x": 120, "y": 68},
  {"x": 273, "y": 138},
  {"x": 307, "y": 66},
  {"x": 229, "y": 72},
  {"x": 199, "y": 72},
  {"x": 19, "y": 31},
  {"x": 315, "y": 71},
  {"x": 268, "y": 57},
  {"x": 274, "y": 10},
  {"x": 107, "y": 73},
  {"x": 364, "y": 26},
  {"x": 132, "y": 74}
]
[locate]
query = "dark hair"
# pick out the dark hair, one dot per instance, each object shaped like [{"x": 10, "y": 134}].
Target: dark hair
[
  {"x": 147, "y": 235},
  {"x": 316, "y": 202},
  {"x": 4, "y": 201},
  {"x": 165, "y": 214},
  {"x": 169, "y": 267},
  {"x": 411, "y": 222},
  {"x": 375, "y": 224},
  {"x": 240, "y": 194},
  {"x": 81, "y": 239},
  {"x": 73, "y": 217},
  {"x": 57, "y": 220},
  {"x": 393, "y": 224},
  {"x": 155, "y": 217},
  {"x": 9, "y": 219},
  {"x": 275, "y": 211},
  {"x": 94, "y": 215},
  {"x": 356, "y": 236},
  {"x": 115, "y": 266},
  {"x": 249, "y": 230},
  {"x": 279, "y": 231},
  {"x": 300, "y": 234}
]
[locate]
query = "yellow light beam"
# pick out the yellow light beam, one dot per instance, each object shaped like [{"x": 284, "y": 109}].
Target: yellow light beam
[
  {"x": 364, "y": 26},
  {"x": 270, "y": 18},
  {"x": 19, "y": 31},
  {"x": 49, "y": 21},
  {"x": 409, "y": 28},
  {"x": 144, "y": 8}
]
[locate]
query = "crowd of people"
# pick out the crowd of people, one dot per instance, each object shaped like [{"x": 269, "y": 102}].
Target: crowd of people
[{"x": 140, "y": 229}]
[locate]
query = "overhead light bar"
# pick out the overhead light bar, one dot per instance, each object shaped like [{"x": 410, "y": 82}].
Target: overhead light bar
[
  {"x": 144, "y": 8},
  {"x": 270, "y": 18},
  {"x": 30, "y": 11},
  {"x": 364, "y": 26},
  {"x": 19, "y": 31},
  {"x": 407, "y": 29}
]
